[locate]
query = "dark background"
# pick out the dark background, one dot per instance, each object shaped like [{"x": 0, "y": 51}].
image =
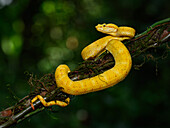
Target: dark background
[{"x": 38, "y": 35}]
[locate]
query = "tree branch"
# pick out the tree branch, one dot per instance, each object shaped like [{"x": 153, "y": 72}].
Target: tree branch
[{"x": 155, "y": 36}]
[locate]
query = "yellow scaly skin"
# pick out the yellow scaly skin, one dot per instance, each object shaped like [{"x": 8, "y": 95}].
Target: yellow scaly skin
[
  {"x": 46, "y": 104},
  {"x": 108, "y": 78}
]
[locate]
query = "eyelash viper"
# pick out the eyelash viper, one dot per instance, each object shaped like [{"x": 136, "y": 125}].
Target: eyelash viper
[{"x": 113, "y": 44}]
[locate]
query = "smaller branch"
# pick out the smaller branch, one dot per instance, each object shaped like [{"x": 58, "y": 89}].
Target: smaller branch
[{"x": 21, "y": 116}]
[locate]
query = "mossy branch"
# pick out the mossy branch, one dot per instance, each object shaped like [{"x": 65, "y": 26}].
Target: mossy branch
[{"x": 155, "y": 36}]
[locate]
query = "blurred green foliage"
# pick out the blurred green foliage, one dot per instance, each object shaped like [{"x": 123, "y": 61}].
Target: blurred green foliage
[{"x": 36, "y": 36}]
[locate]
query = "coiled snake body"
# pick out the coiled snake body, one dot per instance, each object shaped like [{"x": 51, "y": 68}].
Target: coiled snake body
[{"x": 108, "y": 78}]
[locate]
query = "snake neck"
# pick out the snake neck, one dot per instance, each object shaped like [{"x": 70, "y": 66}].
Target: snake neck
[{"x": 123, "y": 32}]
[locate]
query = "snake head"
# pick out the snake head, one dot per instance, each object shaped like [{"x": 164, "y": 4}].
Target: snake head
[{"x": 107, "y": 28}]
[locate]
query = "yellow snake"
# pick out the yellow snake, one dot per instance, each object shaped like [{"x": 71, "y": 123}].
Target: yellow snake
[{"x": 122, "y": 66}]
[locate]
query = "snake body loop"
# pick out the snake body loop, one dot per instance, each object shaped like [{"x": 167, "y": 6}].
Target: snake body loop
[
  {"x": 110, "y": 77},
  {"x": 122, "y": 66}
]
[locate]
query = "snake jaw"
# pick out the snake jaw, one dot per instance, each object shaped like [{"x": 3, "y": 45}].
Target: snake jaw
[{"x": 107, "y": 28}]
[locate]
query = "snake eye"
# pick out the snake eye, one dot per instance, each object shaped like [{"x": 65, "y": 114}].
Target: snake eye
[{"x": 104, "y": 25}]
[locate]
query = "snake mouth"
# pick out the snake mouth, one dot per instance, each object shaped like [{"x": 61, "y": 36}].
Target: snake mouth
[{"x": 107, "y": 28}]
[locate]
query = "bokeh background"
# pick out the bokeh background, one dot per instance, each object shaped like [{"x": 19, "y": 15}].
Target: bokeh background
[{"x": 38, "y": 35}]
